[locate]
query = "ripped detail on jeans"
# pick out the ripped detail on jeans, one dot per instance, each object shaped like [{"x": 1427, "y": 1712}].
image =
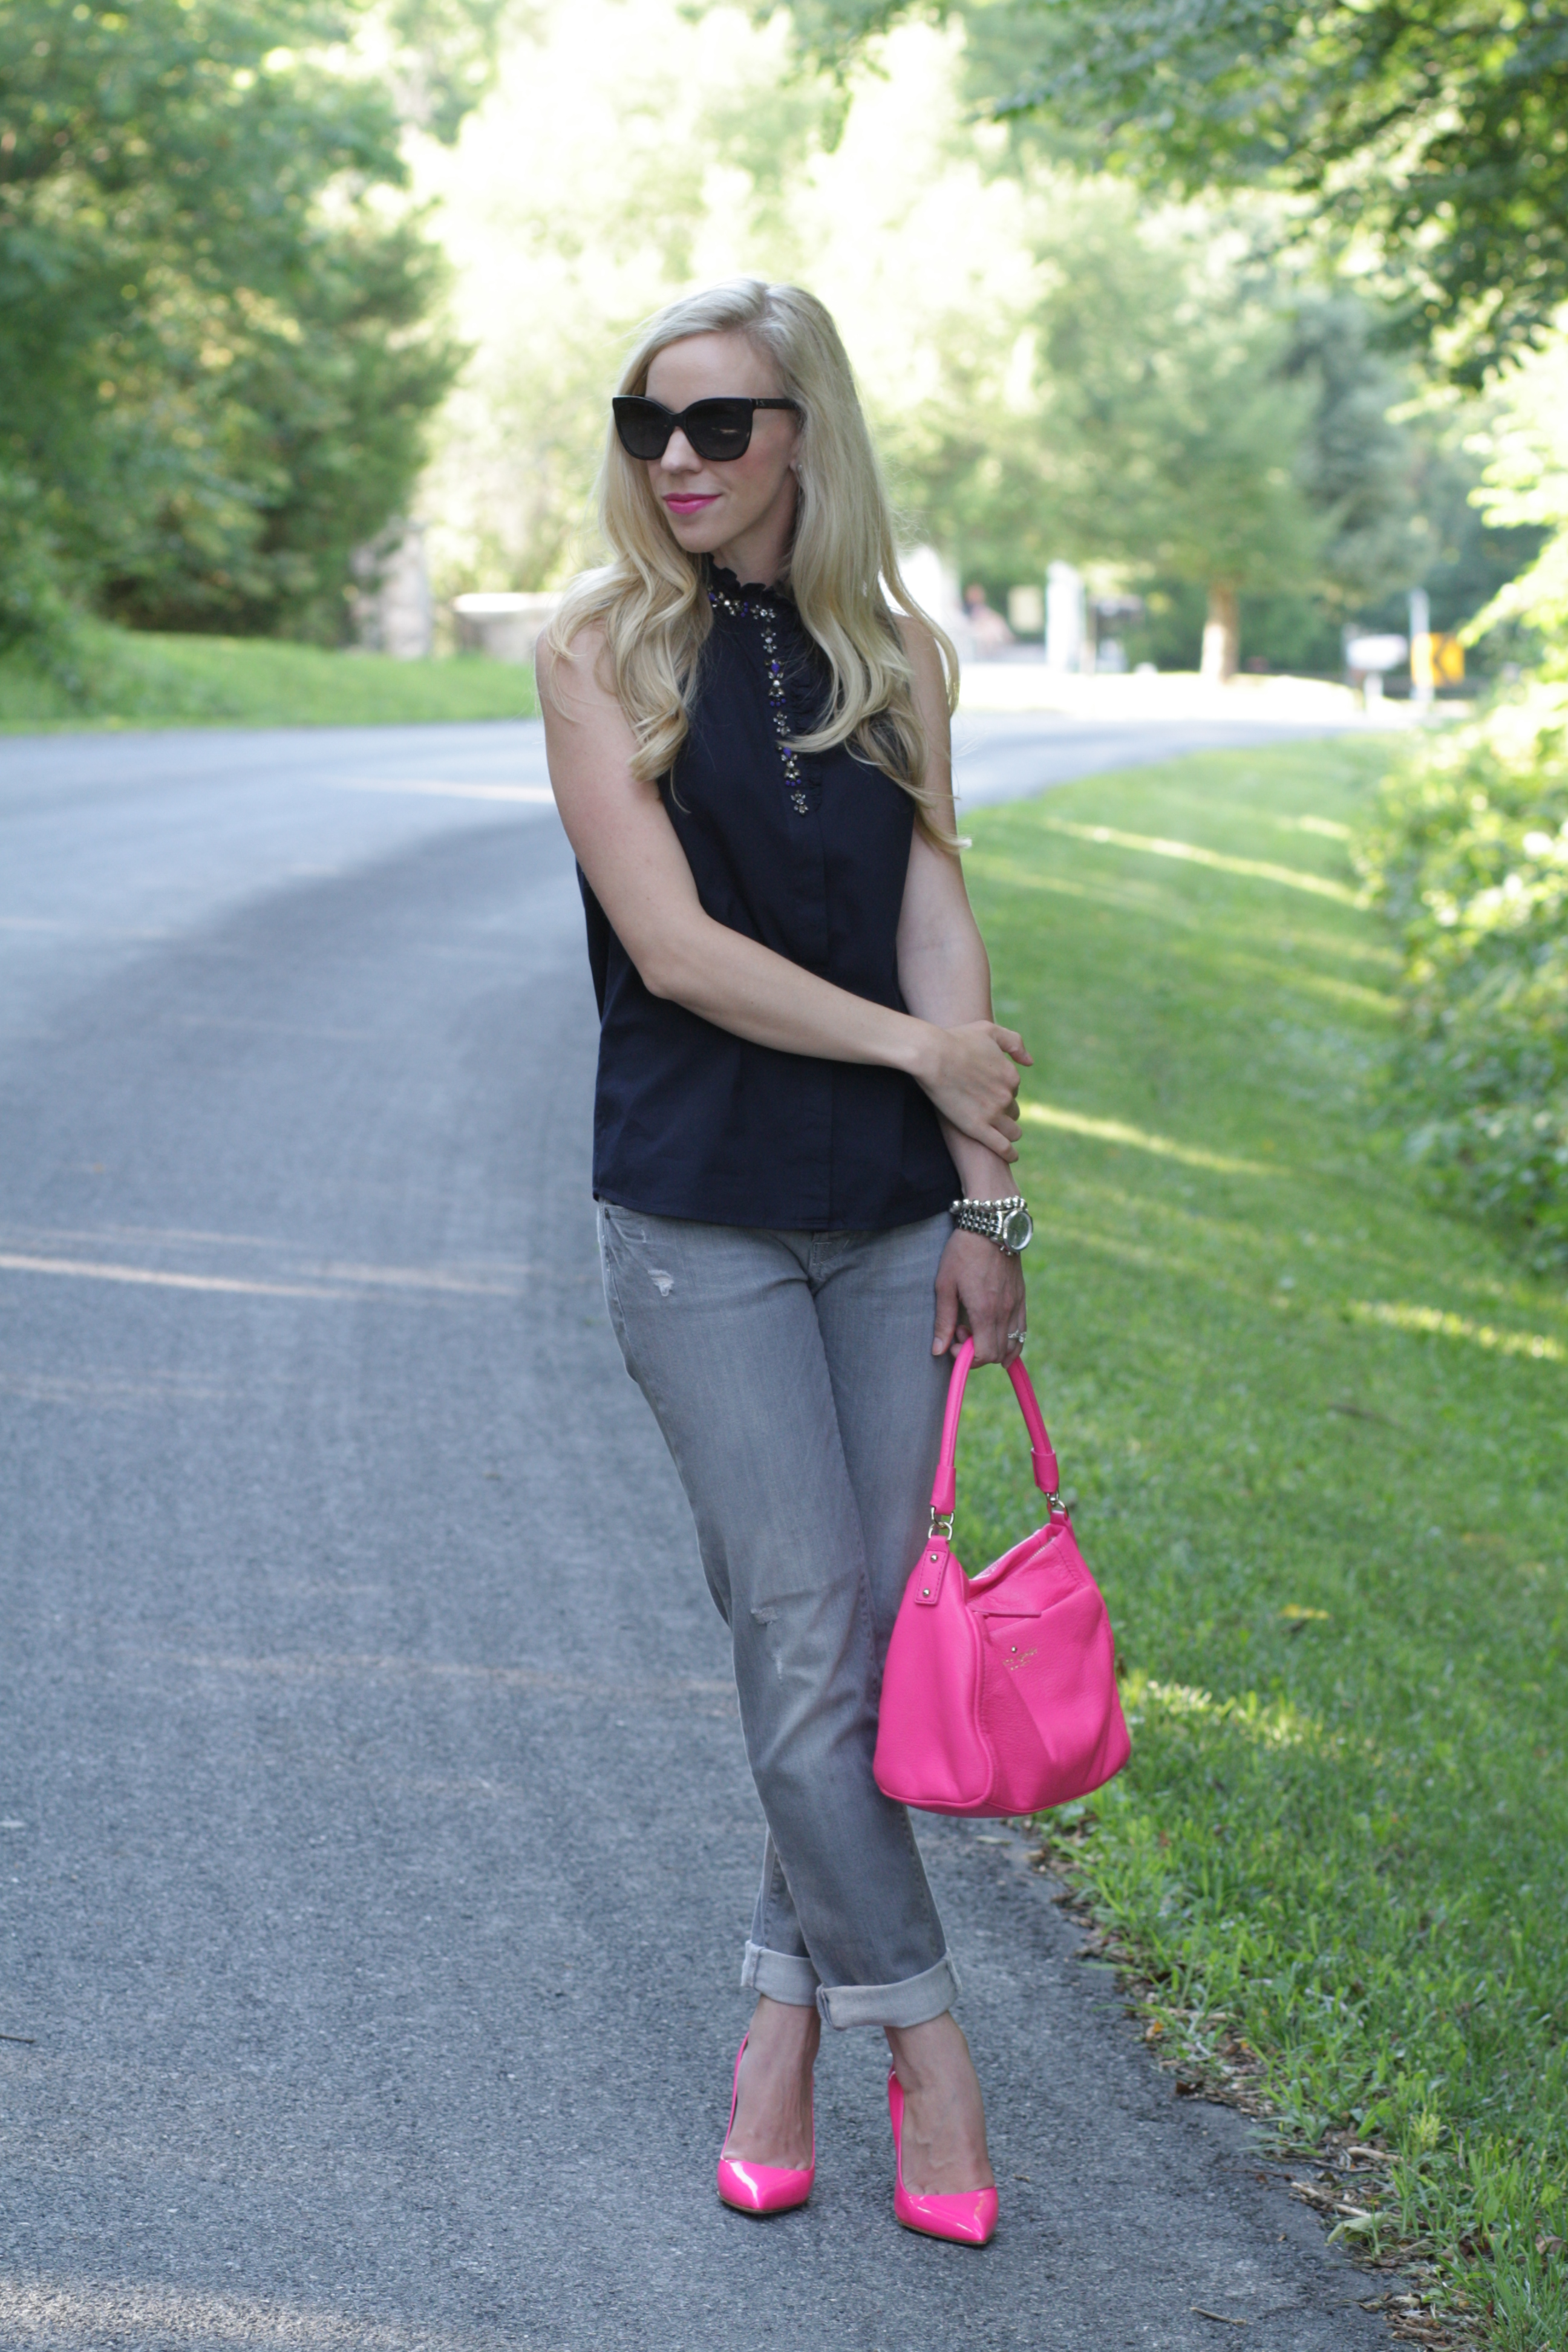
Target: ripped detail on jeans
[
  {"x": 662, "y": 1281},
  {"x": 794, "y": 1637},
  {"x": 764, "y": 1615}
]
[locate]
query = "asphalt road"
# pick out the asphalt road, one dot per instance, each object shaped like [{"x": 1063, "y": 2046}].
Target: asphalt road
[{"x": 376, "y": 1837}]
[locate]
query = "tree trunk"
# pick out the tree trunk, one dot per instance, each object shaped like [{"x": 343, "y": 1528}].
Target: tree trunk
[{"x": 1222, "y": 635}]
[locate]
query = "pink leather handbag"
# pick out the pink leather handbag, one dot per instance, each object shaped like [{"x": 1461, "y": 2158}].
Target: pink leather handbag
[{"x": 999, "y": 1694}]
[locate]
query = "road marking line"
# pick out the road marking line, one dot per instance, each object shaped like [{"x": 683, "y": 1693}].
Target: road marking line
[
  {"x": 85, "y": 1269},
  {"x": 535, "y": 795},
  {"x": 363, "y": 1278}
]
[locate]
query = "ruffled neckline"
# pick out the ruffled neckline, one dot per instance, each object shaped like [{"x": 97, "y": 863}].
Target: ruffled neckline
[{"x": 719, "y": 576}]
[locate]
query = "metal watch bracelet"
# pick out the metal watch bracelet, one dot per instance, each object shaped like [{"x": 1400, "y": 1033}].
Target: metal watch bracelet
[{"x": 1006, "y": 1222}]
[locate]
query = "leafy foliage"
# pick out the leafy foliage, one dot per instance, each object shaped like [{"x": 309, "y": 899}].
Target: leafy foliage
[
  {"x": 1469, "y": 856},
  {"x": 1361, "y": 469},
  {"x": 1525, "y": 488},
  {"x": 217, "y": 361},
  {"x": 661, "y": 148},
  {"x": 1431, "y": 128}
]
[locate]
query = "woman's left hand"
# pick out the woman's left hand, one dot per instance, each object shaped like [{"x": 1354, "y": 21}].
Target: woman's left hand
[{"x": 980, "y": 1295}]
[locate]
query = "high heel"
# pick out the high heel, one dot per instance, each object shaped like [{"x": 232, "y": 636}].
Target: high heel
[
  {"x": 752, "y": 2188},
  {"x": 968, "y": 2216}
]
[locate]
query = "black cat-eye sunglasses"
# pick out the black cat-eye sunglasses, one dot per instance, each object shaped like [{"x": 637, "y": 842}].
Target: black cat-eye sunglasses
[{"x": 717, "y": 429}]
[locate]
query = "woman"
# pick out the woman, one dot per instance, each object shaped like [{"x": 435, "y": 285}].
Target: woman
[{"x": 747, "y": 723}]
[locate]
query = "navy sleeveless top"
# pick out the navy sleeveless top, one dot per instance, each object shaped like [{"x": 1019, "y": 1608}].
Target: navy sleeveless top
[{"x": 808, "y": 855}]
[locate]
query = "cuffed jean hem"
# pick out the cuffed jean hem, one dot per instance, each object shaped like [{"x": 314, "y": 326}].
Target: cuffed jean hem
[
  {"x": 781, "y": 1976},
  {"x": 911, "y": 2002}
]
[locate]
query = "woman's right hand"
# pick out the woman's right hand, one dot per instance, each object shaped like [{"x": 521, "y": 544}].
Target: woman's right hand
[{"x": 971, "y": 1073}]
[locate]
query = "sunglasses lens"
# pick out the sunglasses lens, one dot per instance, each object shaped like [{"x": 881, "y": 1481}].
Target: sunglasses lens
[
  {"x": 644, "y": 426},
  {"x": 717, "y": 429}
]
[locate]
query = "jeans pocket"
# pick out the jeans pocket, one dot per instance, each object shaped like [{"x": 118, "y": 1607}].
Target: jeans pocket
[
  {"x": 624, "y": 1226},
  {"x": 626, "y": 1251}
]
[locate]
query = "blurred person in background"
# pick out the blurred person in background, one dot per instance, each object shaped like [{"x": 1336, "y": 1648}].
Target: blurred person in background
[{"x": 989, "y": 630}]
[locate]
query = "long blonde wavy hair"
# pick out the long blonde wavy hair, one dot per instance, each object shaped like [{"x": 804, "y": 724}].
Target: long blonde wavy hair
[{"x": 842, "y": 571}]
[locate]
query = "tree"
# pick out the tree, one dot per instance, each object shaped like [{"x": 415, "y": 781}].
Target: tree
[
  {"x": 628, "y": 152},
  {"x": 1361, "y": 470},
  {"x": 1525, "y": 486},
  {"x": 1389, "y": 471},
  {"x": 1432, "y": 129},
  {"x": 1162, "y": 429},
  {"x": 216, "y": 343}
]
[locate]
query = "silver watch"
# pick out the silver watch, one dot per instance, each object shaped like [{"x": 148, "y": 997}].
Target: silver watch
[{"x": 1006, "y": 1222}]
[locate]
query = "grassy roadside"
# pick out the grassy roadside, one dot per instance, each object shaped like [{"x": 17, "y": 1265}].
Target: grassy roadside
[
  {"x": 139, "y": 679},
  {"x": 1319, "y": 1436}
]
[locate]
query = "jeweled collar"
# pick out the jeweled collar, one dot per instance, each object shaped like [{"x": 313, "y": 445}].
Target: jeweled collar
[{"x": 766, "y": 607}]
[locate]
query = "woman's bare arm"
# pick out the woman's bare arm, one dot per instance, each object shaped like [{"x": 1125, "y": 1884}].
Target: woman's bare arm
[
  {"x": 943, "y": 970},
  {"x": 636, "y": 869},
  {"x": 945, "y": 976}
]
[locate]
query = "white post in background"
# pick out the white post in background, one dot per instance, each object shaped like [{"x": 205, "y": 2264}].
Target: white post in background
[
  {"x": 1064, "y": 618},
  {"x": 1026, "y": 612},
  {"x": 1423, "y": 672},
  {"x": 933, "y": 583}
]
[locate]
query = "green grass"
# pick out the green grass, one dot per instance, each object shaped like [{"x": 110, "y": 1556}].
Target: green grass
[
  {"x": 134, "y": 678},
  {"x": 1319, "y": 1438}
]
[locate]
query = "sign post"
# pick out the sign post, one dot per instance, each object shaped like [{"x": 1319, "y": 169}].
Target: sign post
[{"x": 1422, "y": 682}]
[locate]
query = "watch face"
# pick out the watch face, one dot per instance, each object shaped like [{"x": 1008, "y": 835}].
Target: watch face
[{"x": 1017, "y": 1230}]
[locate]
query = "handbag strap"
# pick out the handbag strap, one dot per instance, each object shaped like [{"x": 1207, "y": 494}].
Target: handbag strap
[{"x": 944, "y": 1488}]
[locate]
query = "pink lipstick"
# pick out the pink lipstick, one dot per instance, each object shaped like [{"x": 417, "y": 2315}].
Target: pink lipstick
[{"x": 690, "y": 504}]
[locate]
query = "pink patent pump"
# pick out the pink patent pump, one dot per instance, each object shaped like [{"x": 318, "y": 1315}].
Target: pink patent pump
[
  {"x": 752, "y": 2188},
  {"x": 968, "y": 2216}
]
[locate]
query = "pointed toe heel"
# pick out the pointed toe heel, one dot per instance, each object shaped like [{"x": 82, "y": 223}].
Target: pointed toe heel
[
  {"x": 751, "y": 2187},
  {"x": 967, "y": 2216}
]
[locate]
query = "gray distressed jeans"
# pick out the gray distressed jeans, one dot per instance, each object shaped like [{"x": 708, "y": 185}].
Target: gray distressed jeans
[{"x": 793, "y": 1377}]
